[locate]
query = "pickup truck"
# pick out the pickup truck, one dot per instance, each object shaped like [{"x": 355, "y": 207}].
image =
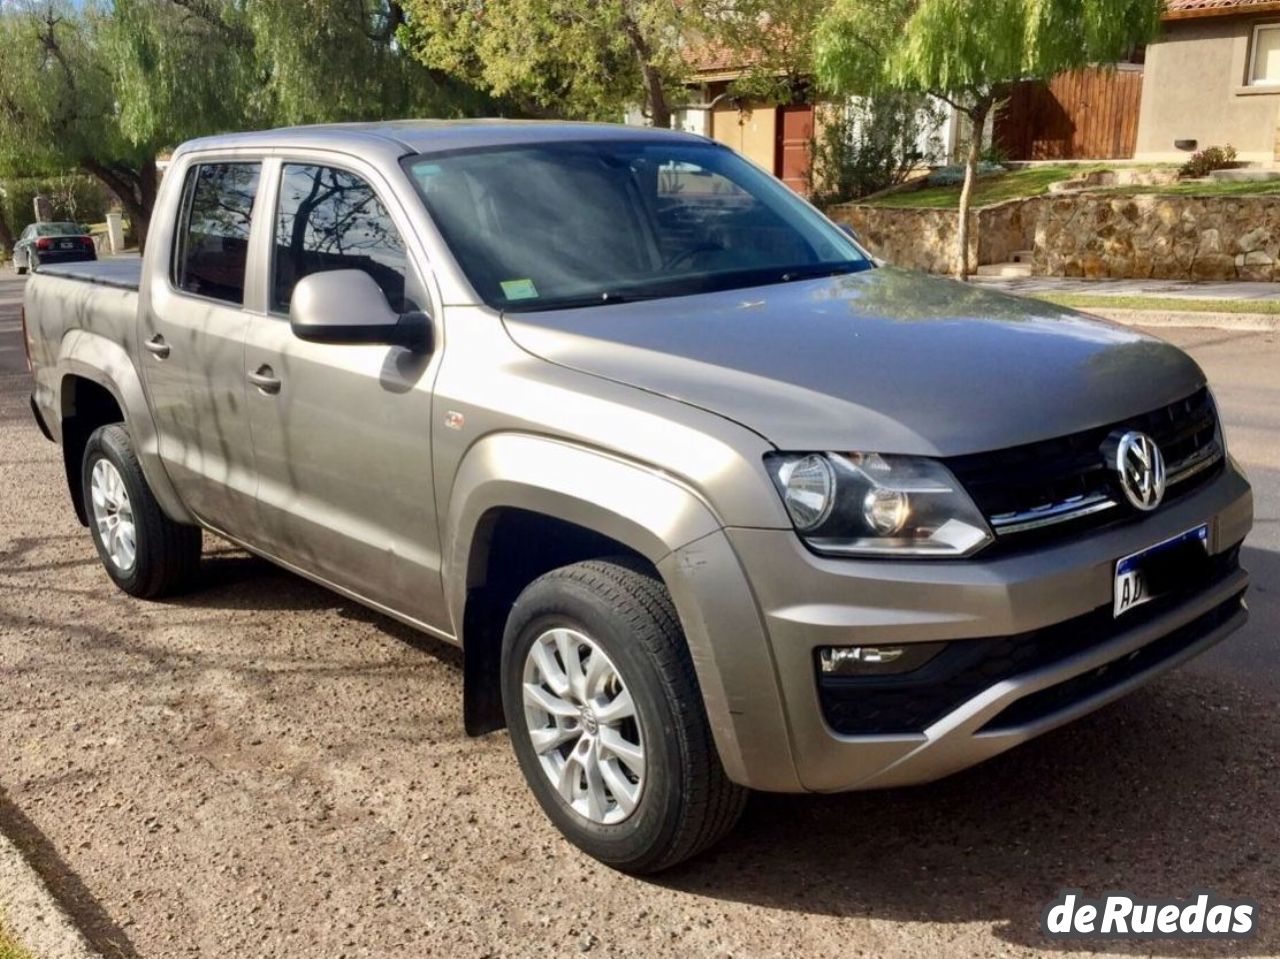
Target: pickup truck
[{"x": 711, "y": 500}]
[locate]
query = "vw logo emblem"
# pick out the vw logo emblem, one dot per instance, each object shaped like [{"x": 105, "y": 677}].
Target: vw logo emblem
[{"x": 1141, "y": 467}]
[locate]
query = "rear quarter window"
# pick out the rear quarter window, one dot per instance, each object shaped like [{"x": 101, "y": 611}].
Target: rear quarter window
[{"x": 211, "y": 250}]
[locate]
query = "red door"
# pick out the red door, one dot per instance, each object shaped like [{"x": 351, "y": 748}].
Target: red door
[{"x": 794, "y": 153}]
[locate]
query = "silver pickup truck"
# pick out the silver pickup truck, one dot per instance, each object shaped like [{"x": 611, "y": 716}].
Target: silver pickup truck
[{"x": 710, "y": 500}]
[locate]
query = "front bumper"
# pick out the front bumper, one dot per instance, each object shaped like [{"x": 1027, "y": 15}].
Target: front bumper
[{"x": 805, "y": 602}]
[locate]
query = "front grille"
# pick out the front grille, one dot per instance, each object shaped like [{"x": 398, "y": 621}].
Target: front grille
[
  {"x": 910, "y": 703},
  {"x": 1067, "y": 483}
]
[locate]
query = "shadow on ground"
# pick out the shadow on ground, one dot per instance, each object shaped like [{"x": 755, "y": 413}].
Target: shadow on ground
[
  {"x": 1170, "y": 791},
  {"x": 65, "y": 885}
]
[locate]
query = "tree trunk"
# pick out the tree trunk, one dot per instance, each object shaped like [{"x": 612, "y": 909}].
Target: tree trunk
[
  {"x": 659, "y": 109},
  {"x": 654, "y": 89},
  {"x": 148, "y": 181},
  {"x": 135, "y": 188},
  {"x": 6, "y": 236},
  {"x": 977, "y": 120}
]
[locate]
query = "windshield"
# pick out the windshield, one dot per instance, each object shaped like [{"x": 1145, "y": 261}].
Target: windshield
[
  {"x": 59, "y": 229},
  {"x": 555, "y": 225}
]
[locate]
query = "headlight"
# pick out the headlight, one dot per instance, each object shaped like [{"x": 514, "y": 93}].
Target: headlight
[{"x": 865, "y": 504}]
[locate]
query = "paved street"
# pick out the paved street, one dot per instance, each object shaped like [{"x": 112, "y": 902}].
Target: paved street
[
  {"x": 1178, "y": 289},
  {"x": 264, "y": 769}
]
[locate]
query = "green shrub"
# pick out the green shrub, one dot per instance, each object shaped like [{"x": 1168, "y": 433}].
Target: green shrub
[
  {"x": 1207, "y": 160},
  {"x": 869, "y": 146},
  {"x": 954, "y": 175}
]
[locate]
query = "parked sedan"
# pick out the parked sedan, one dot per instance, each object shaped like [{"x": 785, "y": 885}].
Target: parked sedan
[{"x": 52, "y": 243}]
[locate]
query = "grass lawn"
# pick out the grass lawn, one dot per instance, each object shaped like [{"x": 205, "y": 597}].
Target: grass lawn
[
  {"x": 994, "y": 188},
  {"x": 1159, "y": 304},
  {"x": 1217, "y": 188},
  {"x": 9, "y": 949},
  {"x": 1035, "y": 181}
]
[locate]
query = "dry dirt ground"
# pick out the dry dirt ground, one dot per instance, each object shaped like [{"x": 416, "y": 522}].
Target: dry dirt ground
[{"x": 264, "y": 769}]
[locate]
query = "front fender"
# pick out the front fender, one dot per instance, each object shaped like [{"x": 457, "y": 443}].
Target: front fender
[
  {"x": 641, "y": 508},
  {"x": 658, "y": 517},
  {"x": 105, "y": 362}
]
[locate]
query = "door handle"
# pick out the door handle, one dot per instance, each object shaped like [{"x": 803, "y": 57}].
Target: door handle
[
  {"x": 265, "y": 379},
  {"x": 157, "y": 347}
]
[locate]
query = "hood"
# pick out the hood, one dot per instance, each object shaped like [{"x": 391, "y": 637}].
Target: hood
[{"x": 885, "y": 361}]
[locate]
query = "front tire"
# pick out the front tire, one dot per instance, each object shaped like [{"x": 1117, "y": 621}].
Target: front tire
[
  {"x": 607, "y": 720},
  {"x": 144, "y": 552}
]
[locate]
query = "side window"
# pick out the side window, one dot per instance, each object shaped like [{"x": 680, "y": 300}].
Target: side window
[
  {"x": 330, "y": 219},
  {"x": 212, "y": 245}
]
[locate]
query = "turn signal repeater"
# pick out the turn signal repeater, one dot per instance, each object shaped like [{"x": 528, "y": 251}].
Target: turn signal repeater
[{"x": 875, "y": 660}]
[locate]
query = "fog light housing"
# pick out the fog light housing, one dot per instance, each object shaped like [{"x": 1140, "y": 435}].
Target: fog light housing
[{"x": 875, "y": 660}]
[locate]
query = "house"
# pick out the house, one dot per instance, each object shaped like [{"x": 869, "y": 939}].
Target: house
[
  {"x": 776, "y": 137},
  {"x": 1213, "y": 79}
]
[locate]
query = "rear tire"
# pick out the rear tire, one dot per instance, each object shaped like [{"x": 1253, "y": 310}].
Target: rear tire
[
  {"x": 144, "y": 552},
  {"x": 20, "y": 270},
  {"x": 661, "y": 793}
]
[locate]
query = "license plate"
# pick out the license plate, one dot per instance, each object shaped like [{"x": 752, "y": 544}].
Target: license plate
[
  {"x": 1156, "y": 570},
  {"x": 66, "y": 245}
]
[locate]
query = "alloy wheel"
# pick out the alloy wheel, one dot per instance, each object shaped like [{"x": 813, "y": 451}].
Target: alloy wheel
[
  {"x": 113, "y": 515},
  {"x": 583, "y": 726}
]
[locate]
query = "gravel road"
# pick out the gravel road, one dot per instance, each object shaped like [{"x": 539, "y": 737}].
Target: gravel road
[{"x": 265, "y": 769}]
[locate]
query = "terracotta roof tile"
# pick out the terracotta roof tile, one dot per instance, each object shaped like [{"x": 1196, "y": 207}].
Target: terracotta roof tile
[{"x": 1210, "y": 8}]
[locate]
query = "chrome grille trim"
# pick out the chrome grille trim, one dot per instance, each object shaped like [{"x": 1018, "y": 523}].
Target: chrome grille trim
[
  {"x": 1078, "y": 507},
  {"x": 1194, "y": 464},
  {"x": 1052, "y": 514}
]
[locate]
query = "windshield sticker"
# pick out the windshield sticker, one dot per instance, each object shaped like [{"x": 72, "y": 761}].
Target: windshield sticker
[{"x": 519, "y": 290}]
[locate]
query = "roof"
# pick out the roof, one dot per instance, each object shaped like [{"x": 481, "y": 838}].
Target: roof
[
  {"x": 717, "y": 58},
  {"x": 396, "y": 138},
  {"x": 1188, "y": 9}
]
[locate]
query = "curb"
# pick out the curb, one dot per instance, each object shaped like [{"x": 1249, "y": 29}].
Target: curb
[
  {"x": 32, "y": 915},
  {"x": 1238, "y": 322}
]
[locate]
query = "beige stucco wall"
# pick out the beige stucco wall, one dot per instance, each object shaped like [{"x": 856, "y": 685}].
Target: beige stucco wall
[
  {"x": 1195, "y": 90},
  {"x": 751, "y": 131}
]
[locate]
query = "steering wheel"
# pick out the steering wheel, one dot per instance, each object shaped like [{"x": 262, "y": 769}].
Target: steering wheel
[{"x": 685, "y": 255}]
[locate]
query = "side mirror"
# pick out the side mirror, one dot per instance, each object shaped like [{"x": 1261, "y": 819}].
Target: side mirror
[
  {"x": 850, "y": 232},
  {"x": 348, "y": 306}
]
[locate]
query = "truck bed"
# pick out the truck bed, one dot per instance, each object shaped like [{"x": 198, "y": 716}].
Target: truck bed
[{"x": 123, "y": 273}]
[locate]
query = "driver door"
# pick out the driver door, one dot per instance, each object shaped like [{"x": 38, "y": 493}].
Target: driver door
[{"x": 342, "y": 433}]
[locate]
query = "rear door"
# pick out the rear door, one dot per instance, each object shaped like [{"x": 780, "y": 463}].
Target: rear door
[
  {"x": 192, "y": 343},
  {"x": 342, "y": 433}
]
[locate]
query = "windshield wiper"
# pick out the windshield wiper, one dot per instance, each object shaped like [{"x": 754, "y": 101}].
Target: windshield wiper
[
  {"x": 817, "y": 270},
  {"x": 603, "y": 298}
]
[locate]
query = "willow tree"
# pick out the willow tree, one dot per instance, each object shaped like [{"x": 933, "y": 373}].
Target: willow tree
[
  {"x": 58, "y": 108},
  {"x": 569, "y": 58},
  {"x": 105, "y": 86},
  {"x": 968, "y": 53}
]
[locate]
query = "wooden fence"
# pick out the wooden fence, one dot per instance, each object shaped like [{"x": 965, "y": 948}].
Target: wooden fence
[{"x": 1087, "y": 114}]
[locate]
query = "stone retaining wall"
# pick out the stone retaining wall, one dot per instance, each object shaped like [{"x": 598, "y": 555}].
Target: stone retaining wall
[
  {"x": 926, "y": 239},
  {"x": 1159, "y": 237}
]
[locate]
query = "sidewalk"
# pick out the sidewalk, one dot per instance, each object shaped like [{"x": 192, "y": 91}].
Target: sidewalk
[{"x": 1179, "y": 289}]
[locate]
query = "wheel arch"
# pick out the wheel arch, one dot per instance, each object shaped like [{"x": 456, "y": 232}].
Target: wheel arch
[
  {"x": 523, "y": 505},
  {"x": 98, "y": 384}
]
